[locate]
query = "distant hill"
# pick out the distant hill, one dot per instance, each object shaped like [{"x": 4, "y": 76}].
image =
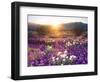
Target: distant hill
[
  {"x": 33, "y": 26},
  {"x": 75, "y": 25}
]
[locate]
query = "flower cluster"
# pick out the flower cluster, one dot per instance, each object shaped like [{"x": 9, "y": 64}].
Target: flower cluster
[{"x": 57, "y": 51}]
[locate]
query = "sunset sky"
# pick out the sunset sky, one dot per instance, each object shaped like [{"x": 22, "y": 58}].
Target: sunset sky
[{"x": 55, "y": 20}]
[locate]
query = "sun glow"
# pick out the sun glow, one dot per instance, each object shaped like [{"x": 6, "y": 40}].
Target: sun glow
[
  {"x": 54, "y": 23},
  {"x": 55, "y": 30},
  {"x": 55, "y": 26}
]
